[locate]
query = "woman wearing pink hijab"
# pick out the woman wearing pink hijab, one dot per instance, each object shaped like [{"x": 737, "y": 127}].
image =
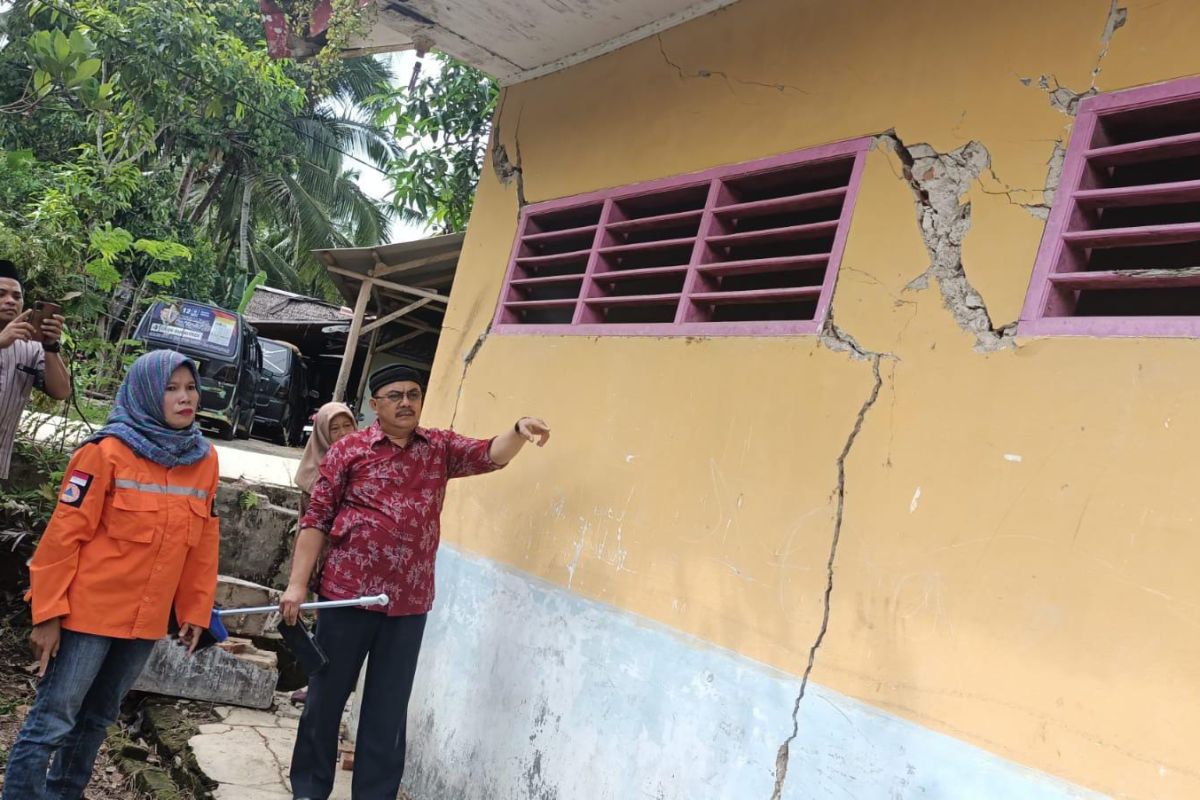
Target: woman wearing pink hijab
[{"x": 333, "y": 421}]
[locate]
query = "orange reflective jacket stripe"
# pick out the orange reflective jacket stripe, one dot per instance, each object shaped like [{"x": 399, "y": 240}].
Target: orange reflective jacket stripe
[{"x": 128, "y": 539}]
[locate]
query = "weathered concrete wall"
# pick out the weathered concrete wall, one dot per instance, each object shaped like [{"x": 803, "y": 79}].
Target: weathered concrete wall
[
  {"x": 1010, "y": 522},
  {"x": 594, "y": 687},
  {"x": 257, "y": 528}
]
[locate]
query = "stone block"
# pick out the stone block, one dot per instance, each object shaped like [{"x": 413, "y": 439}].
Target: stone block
[
  {"x": 238, "y": 593},
  {"x": 211, "y": 675},
  {"x": 257, "y": 528},
  {"x": 244, "y": 650}
]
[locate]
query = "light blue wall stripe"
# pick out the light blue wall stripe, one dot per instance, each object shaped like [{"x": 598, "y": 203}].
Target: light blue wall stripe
[{"x": 528, "y": 691}]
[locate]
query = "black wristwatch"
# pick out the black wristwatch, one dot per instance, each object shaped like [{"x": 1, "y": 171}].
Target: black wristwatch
[
  {"x": 517, "y": 426},
  {"x": 52, "y": 347}
]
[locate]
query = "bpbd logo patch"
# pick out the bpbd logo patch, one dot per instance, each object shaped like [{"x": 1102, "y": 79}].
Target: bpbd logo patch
[{"x": 76, "y": 489}]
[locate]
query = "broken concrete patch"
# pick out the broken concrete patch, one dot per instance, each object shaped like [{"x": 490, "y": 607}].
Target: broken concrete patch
[
  {"x": 939, "y": 182},
  {"x": 248, "y": 754},
  {"x": 238, "y": 757},
  {"x": 244, "y": 650},
  {"x": 1061, "y": 98},
  {"x": 1054, "y": 170}
]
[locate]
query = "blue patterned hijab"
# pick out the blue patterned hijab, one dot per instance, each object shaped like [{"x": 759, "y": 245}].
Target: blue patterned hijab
[{"x": 137, "y": 417}]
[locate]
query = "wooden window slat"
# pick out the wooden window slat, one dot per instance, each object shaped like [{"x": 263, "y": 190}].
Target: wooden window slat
[
  {"x": 1134, "y": 196},
  {"x": 744, "y": 249},
  {"x": 1121, "y": 252},
  {"x": 1127, "y": 279},
  {"x": 1187, "y": 144}
]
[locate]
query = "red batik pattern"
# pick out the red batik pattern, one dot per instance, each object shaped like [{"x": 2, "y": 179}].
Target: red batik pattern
[{"x": 381, "y": 506}]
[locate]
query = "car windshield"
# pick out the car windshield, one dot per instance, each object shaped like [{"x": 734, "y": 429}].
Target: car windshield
[
  {"x": 275, "y": 357},
  {"x": 192, "y": 326}
]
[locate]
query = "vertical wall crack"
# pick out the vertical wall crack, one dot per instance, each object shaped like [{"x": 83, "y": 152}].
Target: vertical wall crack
[
  {"x": 1066, "y": 100},
  {"x": 939, "y": 181},
  {"x": 507, "y": 169},
  {"x": 844, "y": 343},
  {"x": 1117, "y": 17},
  {"x": 467, "y": 360}
]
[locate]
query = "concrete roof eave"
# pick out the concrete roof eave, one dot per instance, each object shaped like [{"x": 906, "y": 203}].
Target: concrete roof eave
[{"x": 514, "y": 40}]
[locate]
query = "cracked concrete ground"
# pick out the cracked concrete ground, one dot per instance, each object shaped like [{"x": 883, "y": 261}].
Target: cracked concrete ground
[{"x": 248, "y": 753}]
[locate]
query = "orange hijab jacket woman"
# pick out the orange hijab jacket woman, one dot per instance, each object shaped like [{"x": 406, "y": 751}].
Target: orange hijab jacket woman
[{"x": 134, "y": 535}]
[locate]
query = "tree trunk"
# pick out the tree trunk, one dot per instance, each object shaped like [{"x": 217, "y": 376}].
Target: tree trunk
[
  {"x": 214, "y": 189},
  {"x": 113, "y": 367},
  {"x": 185, "y": 189},
  {"x": 244, "y": 232}
]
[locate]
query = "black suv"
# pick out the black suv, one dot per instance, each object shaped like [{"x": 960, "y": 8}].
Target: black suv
[
  {"x": 283, "y": 393},
  {"x": 225, "y": 348}
]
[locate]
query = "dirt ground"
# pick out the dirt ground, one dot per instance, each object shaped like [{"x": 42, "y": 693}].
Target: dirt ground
[{"x": 17, "y": 688}]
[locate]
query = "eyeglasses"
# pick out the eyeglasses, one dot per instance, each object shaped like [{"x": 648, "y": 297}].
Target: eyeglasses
[{"x": 413, "y": 395}]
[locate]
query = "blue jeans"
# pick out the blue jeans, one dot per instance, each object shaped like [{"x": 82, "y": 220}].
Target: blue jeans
[{"x": 76, "y": 702}]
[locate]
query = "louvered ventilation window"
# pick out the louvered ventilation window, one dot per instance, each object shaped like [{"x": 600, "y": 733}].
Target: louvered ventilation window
[
  {"x": 750, "y": 249},
  {"x": 1121, "y": 251}
]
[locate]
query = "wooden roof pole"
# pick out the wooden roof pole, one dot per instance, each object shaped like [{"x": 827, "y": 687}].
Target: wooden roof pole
[
  {"x": 360, "y": 310},
  {"x": 397, "y": 287},
  {"x": 379, "y": 322},
  {"x": 366, "y": 373},
  {"x": 390, "y": 343}
]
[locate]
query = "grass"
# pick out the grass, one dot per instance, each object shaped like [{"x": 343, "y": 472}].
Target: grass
[{"x": 93, "y": 412}]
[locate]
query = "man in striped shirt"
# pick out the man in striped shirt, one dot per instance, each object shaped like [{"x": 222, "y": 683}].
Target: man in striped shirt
[{"x": 28, "y": 358}]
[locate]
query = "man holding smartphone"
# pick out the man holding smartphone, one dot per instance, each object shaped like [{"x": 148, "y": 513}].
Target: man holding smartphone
[{"x": 29, "y": 357}]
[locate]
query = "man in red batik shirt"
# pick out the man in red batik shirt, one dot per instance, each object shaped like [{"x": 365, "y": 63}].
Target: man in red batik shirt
[{"x": 378, "y": 501}]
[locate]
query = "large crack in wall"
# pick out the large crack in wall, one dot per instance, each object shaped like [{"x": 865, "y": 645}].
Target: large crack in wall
[
  {"x": 508, "y": 171},
  {"x": 1067, "y": 100},
  {"x": 939, "y": 181},
  {"x": 837, "y": 340}
]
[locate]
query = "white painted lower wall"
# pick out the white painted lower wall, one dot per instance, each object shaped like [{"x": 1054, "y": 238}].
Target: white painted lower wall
[{"x": 525, "y": 690}]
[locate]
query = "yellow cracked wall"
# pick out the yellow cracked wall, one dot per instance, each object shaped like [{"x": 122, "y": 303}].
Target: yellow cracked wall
[{"x": 1017, "y": 560}]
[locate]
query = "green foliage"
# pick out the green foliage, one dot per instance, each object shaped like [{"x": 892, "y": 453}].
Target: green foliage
[
  {"x": 247, "y": 500},
  {"x": 149, "y": 146},
  {"x": 162, "y": 251},
  {"x": 442, "y": 125},
  {"x": 348, "y": 19},
  {"x": 31, "y": 493},
  {"x": 248, "y": 295},
  {"x": 131, "y": 132},
  {"x": 108, "y": 243}
]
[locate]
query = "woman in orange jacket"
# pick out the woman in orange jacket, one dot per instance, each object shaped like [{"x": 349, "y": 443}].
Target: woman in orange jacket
[{"x": 134, "y": 534}]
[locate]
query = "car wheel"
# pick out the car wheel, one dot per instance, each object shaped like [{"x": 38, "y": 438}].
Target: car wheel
[
  {"x": 285, "y": 435},
  {"x": 225, "y": 431},
  {"x": 244, "y": 431}
]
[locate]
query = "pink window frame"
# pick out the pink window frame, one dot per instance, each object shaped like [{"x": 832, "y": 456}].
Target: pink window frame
[
  {"x": 857, "y": 147},
  {"x": 1091, "y": 109}
]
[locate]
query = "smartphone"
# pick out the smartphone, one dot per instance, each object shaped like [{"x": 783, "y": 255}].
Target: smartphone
[{"x": 42, "y": 310}]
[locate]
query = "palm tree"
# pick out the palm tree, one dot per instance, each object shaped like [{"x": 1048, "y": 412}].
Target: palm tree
[{"x": 274, "y": 216}]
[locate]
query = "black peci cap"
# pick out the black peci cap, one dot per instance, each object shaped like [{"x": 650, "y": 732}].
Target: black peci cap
[{"x": 391, "y": 374}]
